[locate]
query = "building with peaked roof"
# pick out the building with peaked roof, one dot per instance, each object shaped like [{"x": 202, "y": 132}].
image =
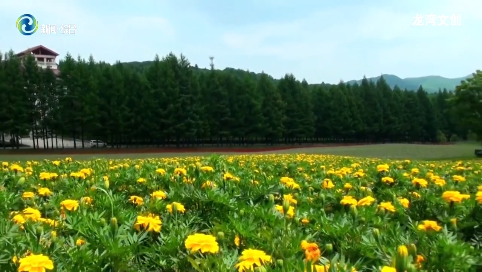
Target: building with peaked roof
[{"x": 45, "y": 57}]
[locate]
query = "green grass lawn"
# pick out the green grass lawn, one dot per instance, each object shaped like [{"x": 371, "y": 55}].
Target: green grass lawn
[{"x": 386, "y": 151}]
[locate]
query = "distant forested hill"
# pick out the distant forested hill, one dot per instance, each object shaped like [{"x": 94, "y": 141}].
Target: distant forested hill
[{"x": 430, "y": 83}]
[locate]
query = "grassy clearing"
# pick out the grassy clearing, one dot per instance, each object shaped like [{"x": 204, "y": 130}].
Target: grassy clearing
[
  {"x": 398, "y": 151},
  {"x": 386, "y": 151}
]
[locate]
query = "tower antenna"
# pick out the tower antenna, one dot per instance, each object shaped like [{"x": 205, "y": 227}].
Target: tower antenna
[{"x": 211, "y": 63}]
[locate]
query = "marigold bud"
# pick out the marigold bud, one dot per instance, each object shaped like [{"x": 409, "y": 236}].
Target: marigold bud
[
  {"x": 271, "y": 198},
  {"x": 381, "y": 210},
  {"x": 354, "y": 210},
  {"x": 453, "y": 221},
  {"x": 402, "y": 251},
  {"x": 260, "y": 269},
  {"x": 401, "y": 260},
  {"x": 114, "y": 223},
  {"x": 376, "y": 233},
  {"x": 21, "y": 180},
  {"x": 40, "y": 229},
  {"x": 279, "y": 262},
  {"x": 241, "y": 212},
  {"x": 329, "y": 248},
  {"x": 412, "y": 249},
  {"x": 286, "y": 205},
  {"x": 221, "y": 235}
]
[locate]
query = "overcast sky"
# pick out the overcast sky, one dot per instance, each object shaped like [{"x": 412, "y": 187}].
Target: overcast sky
[{"x": 315, "y": 40}]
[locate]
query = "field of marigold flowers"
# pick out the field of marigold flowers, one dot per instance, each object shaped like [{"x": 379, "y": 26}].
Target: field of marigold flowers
[{"x": 241, "y": 213}]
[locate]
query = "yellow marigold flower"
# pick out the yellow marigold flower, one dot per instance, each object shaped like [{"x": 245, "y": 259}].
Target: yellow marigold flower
[
  {"x": 404, "y": 202},
  {"x": 49, "y": 221},
  {"x": 70, "y": 204},
  {"x": 387, "y": 206},
  {"x": 161, "y": 171},
  {"x": 305, "y": 221},
  {"x": 159, "y": 195},
  {"x": 347, "y": 186},
  {"x": 208, "y": 184},
  {"x": 206, "y": 169},
  {"x": 86, "y": 171},
  {"x": 28, "y": 195},
  {"x": 478, "y": 197},
  {"x": 292, "y": 185},
  {"x": 454, "y": 196},
  {"x": 180, "y": 171},
  {"x": 250, "y": 258},
  {"x": 79, "y": 242},
  {"x": 141, "y": 180},
  {"x": 312, "y": 252},
  {"x": 237, "y": 240},
  {"x": 35, "y": 263},
  {"x": 137, "y": 200},
  {"x": 415, "y": 194},
  {"x": 44, "y": 176},
  {"x": 44, "y": 191},
  {"x": 290, "y": 199},
  {"x": 31, "y": 214},
  {"x": 458, "y": 178},
  {"x": 366, "y": 201},
  {"x": 19, "y": 219},
  {"x": 349, "y": 200},
  {"x": 388, "y": 269},
  {"x": 290, "y": 213},
  {"x": 86, "y": 200},
  {"x": 148, "y": 223},
  {"x": 429, "y": 225},
  {"x": 419, "y": 260},
  {"x": 359, "y": 174},
  {"x": 383, "y": 168},
  {"x": 420, "y": 182},
  {"x": 439, "y": 181},
  {"x": 16, "y": 168},
  {"x": 175, "y": 206},
  {"x": 201, "y": 242},
  {"x": 327, "y": 184},
  {"x": 388, "y": 180}
]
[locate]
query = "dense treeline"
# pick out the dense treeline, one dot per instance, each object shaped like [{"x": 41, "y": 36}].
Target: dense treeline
[{"x": 171, "y": 102}]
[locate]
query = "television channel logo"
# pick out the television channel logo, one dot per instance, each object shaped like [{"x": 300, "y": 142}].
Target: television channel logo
[{"x": 27, "y": 24}]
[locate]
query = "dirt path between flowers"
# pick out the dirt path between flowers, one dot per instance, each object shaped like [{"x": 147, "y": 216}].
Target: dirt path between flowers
[{"x": 387, "y": 151}]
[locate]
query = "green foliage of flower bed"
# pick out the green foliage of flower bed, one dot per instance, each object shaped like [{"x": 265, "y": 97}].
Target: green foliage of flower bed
[{"x": 290, "y": 212}]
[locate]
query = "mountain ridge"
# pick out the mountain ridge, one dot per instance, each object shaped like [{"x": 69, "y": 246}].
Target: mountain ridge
[{"x": 431, "y": 83}]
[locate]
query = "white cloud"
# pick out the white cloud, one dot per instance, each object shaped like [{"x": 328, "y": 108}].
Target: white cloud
[{"x": 383, "y": 37}]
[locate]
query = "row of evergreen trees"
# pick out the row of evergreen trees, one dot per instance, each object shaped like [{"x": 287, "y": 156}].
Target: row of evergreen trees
[{"x": 173, "y": 103}]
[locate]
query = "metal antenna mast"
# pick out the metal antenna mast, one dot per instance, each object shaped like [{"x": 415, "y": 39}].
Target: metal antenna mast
[{"x": 211, "y": 63}]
